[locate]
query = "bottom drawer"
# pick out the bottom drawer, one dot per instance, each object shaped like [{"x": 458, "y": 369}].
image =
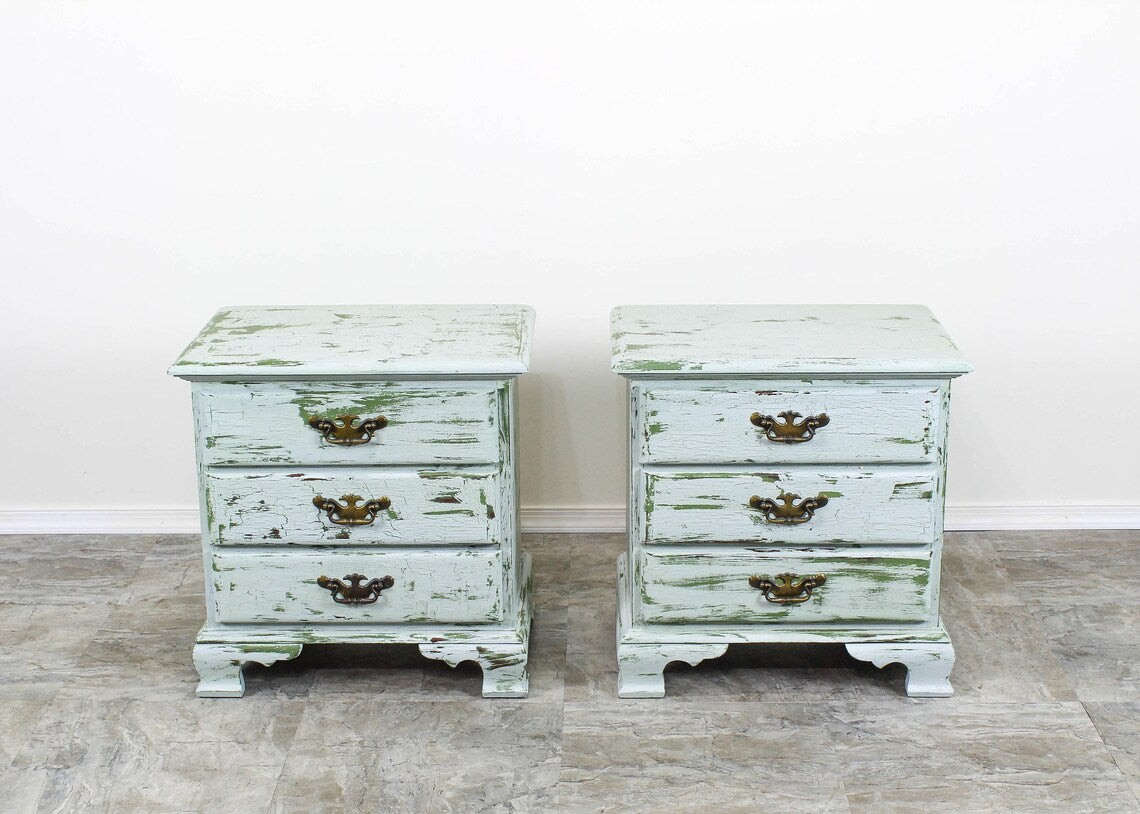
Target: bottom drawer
[
  {"x": 739, "y": 586},
  {"x": 282, "y": 586}
]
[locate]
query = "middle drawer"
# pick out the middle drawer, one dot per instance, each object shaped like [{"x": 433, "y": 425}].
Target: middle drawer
[
  {"x": 360, "y": 506},
  {"x": 891, "y": 505}
]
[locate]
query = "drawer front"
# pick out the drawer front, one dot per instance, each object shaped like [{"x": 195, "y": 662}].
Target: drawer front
[
  {"x": 714, "y": 424},
  {"x": 423, "y": 423},
  {"x": 727, "y": 587},
  {"x": 283, "y": 586},
  {"x": 886, "y": 505},
  {"x": 424, "y": 507}
]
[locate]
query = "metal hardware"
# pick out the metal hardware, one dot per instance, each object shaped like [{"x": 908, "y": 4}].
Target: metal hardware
[
  {"x": 344, "y": 433},
  {"x": 350, "y": 514},
  {"x": 787, "y": 512},
  {"x": 787, "y": 589},
  {"x": 353, "y": 592},
  {"x": 789, "y": 432}
]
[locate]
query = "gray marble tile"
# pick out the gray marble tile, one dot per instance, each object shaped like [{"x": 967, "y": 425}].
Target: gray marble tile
[
  {"x": 550, "y": 560},
  {"x": 426, "y": 756},
  {"x": 149, "y": 750},
  {"x": 97, "y": 711},
  {"x": 21, "y": 707},
  {"x": 972, "y": 572},
  {"x": 185, "y": 779},
  {"x": 69, "y": 569},
  {"x": 925, "y": 755},
  {"x": 1001, "y": 654},
  {"x": 44, "y": 643},
  {"x": 1118, "y": 724},
  {"x": 1055, "y": 567},
  {"x": 1098, "y": 646},
  {"x": 76, "y": 723},
  {"x": 636, "y": 756},
  {"x": 592, "y": 618},
  {"x": 593, "y": 676}
]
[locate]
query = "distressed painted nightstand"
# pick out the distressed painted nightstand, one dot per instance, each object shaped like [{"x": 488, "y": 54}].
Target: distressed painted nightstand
[
  {"x": 358, "y": 484},
  {"x": 787, "y": 476}
]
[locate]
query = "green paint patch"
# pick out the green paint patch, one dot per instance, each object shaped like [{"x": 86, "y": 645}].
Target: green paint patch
[
  {"x": 684, "y": 506},
  {"x": 648, "y": 365},
  {"x": 831, "y": 494},
  {"x": 465, "y": 512},
  {"x": 912, "y": 490},
  {"x": 275, "y": 363}
]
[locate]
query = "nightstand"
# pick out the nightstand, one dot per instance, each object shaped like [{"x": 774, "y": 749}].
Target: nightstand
[
  {"x": 787, "y": 476},
  {"x": 357, "y": 472}
]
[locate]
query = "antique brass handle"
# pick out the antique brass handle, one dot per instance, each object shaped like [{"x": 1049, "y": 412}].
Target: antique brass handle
[
  {"x": 353, "y": 592},
  {"x": 347, "y": 433},
  {"x": 787, "y": 589},
  {"x": 351, "y": 514},
  {"x": 789, "y": 432},
  {"x": 787, "y": 512}
]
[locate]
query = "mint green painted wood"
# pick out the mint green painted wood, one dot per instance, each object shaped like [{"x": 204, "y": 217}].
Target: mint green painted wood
[
  {"x": 842, "y": 341},
  {"x": 428, "y": 506},
  {"x": 277, "y": 587},
  {"x": 709, "y": 422},
  {"x": 243, "y": 343},
  {"x": 862, "y": 585},
  {"x": 267, "y": 423},
  {"x": 697, "y": 373},
  {"x": 884, "y": 505},
  {"x": 220, "y": 665},
  {"x": 444, "y": 377}
]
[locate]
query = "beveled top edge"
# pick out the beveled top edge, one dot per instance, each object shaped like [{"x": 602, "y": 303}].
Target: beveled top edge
[
  {"x": 708, "y": 341},
  {"x": 345, "y": 341}
]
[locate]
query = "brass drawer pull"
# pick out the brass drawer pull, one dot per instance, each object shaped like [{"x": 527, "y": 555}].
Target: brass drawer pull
[
  {"x": 787, "y": 512},
  {"x": 352, "y": 592},
  {"x": 345, "y": 433},
  {"x": 789, "y": 432},
  {"x": 351, "y": 514},
  {"x": 787, "y": 589}
]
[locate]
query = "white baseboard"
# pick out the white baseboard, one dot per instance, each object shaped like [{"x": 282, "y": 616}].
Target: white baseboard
[{"x": 553, "y": 520}]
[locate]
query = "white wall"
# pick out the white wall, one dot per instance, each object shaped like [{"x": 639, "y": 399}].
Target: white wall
[{"x": 160, "y": 160}]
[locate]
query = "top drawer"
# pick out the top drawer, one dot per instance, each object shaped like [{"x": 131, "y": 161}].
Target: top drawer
[
  {"x": 268, "y": 423},
  {"x": 727, "y": 422}
]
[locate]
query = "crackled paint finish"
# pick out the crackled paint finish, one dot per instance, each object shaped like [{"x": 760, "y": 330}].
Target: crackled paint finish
[
  {"x": 697, "y": 374},
  {"x": 843, "y": 341},
  {"x": 220, "y": 666},
  {"x": 890, "y": 505},
  {"x": 281, "y": 587},
  {"x": 428, "y": 506},
  {"x": 867, "y": 585},
  {"x": 444, "y": 378},
  {"x": 267, "y": 423},
  {"x": 710, "y": 423},
  {"x": 504, "y": 666},
  {"x": 928, "y": 664},
  {"x": 245, "y": 343}
]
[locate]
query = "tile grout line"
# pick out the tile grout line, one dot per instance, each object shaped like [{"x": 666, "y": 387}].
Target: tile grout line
[{"x": 1111, "y": 753}]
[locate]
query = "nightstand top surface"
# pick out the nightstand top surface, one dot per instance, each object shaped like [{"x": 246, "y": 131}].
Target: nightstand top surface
[
  {"x": 322, "y": 341},
  {"x": 781, "y": 340}
]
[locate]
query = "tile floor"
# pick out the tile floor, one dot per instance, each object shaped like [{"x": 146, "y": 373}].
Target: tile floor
[{"x": 98, "y": 713}]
